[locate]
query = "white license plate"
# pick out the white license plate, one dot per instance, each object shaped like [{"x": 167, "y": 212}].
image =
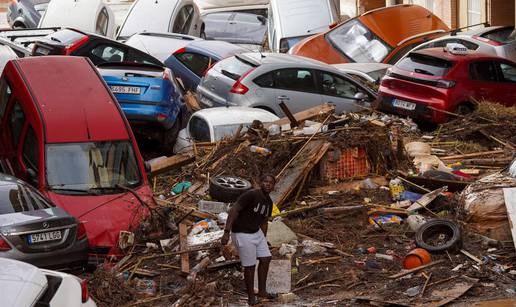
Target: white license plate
[
  {"x": 125, "y": 89},
  {"x": 404, "y": 104},
  {"x": 44, "y": 236}
]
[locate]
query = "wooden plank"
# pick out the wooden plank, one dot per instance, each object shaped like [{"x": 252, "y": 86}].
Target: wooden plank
[
  {"x": 347, "y": 186},
  {"x": 185, "y": 262},
  {"x": 164, "y": 164},
  {"x": 419, "y": 268},
  {"x": 304, "y": 162},
  {"x": 510, "y": 204},
  {"x": 305, "y": 115},
  {"x": 473, "y": 155},
  {"x": 290, "y": 116}
]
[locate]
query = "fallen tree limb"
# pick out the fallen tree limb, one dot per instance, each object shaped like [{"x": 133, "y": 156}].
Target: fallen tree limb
[{"x": 419, "y": 268}]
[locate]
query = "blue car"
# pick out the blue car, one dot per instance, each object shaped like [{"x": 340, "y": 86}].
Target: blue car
[
  {"x": 149, "y": 97},
  {"x": 191, "y": 62}
]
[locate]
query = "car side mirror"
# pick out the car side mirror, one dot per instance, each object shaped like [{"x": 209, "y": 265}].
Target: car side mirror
[
  {"x": 262, "y": 19},
  {"x": 360, "y": 96}
]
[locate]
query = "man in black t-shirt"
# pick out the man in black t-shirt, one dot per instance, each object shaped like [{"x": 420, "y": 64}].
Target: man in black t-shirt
[{"x": 247, "y": 222}]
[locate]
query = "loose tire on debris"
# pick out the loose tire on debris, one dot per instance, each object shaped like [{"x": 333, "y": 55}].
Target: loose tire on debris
[
  {"x": 228, "y": 188},
  {"x": 439, "y": 235}
]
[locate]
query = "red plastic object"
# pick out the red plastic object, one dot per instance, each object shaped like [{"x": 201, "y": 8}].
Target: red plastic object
[
  {"x": 417, "y": 257},
  {"x": 351, "y": 163}
]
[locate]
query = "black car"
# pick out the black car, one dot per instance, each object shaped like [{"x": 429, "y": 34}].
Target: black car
[
  {"x": 34, "y": 230},
  {"x": 97, "y": 48}
]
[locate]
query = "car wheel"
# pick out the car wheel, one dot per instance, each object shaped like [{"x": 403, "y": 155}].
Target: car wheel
[
  {"x": 228, "y": 188},
  {"x": 19, "y": 26},
  {"x": 439, "y": 235},
  {"x": 169, "y": 137},
  {"x": 463, "y": 109}
]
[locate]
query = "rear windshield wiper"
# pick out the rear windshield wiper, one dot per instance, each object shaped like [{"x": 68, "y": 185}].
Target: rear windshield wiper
[
  {"x": 70, "y": 190},
  {"x": 55, "y": 39},
  {"x": 422, "y": 71},
  {"x": 230, "y": 74}
]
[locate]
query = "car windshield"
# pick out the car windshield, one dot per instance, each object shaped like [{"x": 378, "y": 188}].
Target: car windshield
[
  {"x": 233, "y": 67},
  {"x": 224, "y": 131},
  {"x": 425, "y": 64},
  {"x": 287, "y": 43},
  {"x": 17, "y": 197},
  {"x": 502, "y": 36},
  {"x": 358, "y": 43},
  {"x": 76, "y": 167}
]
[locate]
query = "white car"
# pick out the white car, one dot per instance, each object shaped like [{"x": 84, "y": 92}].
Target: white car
[
  {"x": 500, "y": 41},
  {"x": 291, "y": 21},
  {"x": 160, "y": 45},
  {"x": 163, "y": 16},
  {"x": 93, "y": 16},
  {"x": 211, "y": 6},
  {"x": 365, "y": 72},
  {"x": 214, "y": 124},
  {"x": 22, "y": 284}
]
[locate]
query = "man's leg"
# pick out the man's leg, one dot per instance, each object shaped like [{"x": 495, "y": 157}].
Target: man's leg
[
  {"x": 247, "y": 253},
  {"x": 249, "y": 284},
  {"x": 263, "y": 270}
]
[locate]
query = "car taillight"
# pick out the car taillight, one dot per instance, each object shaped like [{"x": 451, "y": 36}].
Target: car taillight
[
  {"x": 4, "y": 246},
  {"x": 238, "y": 87},
  {"x": 81, "y": 231},
  {"x": 76, "y": 45},
  {"x": 84, "y": 291},
  {"x": 445, "y": 83},
  {"x": 179, "y": 51},
  {"x": 487, "y": 40},
  {"x": 161, "y": 117}
]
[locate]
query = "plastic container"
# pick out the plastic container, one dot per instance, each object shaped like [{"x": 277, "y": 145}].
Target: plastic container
[
  {"x": 416, "y": 258},
  {"x": 260, "y": 150},
  {"x": 274, "y": 129},
  {"x": 396, "y": 188},
  {"x": 415, "y": 221}
]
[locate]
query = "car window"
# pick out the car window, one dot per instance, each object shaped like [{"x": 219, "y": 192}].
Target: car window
[
  {"x": 17, "y": 119},
  {"x": 265, "y": 80},
  {"x": 483, "y": 71},
  {"x": 18, "y": 197},
  {"x": 217, "y": 16},
  {"x": 425, "y": 64},
  {"x": 183, "y": 20},
  {"x": 199, "y": 129},
  {"x": 401, "y": 52},
  {"x": 333, "y": 85},
  {"x": 358, "y": 43},
  {"x": 444, "y": 42},
  {"x": 508, "y": 72},
  {"x": 224, "y": 131},
  {"x": 197, "y": 63},
  {"x": 5, "y": 93},
  {"x": 30, "y": 150},
  {"x": 137, "y": 56},
  {"x": 503, "y": 35},
  {"x": 102, "y": 22},
  {"x": 233, "y": 67},
  {"x": 243, "y": 17},
  {"x": 294, "y": 79},
  {"x": 109, "y": 53}
]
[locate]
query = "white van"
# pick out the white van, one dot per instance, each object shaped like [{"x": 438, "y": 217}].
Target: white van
[
  {"x": 162, "y": 16},
  {"x": 93, "y": 16},
  {"x": 258, "y": 7},
  {"x": 293, "y": 20}
]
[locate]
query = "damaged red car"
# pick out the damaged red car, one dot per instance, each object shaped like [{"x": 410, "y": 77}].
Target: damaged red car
[{"x": 62, "y": 130}]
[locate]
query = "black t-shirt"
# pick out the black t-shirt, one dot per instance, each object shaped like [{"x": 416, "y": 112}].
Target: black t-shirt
[{"x": 256, "y": 207}]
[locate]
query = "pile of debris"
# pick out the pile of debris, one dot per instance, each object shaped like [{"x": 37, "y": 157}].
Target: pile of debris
[{"x": 367, "y": 209}]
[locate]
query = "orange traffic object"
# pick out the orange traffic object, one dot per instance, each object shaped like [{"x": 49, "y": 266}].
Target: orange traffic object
[{"x": 417, "y": 257}]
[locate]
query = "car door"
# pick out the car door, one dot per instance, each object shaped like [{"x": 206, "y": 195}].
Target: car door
[
  {"x": 6, "y": 147},
  {"x": 184, "y": 21},
  {"x": 484, "y": 80},
  {"x": 15, "y": 122},
  {"x": 195, "y": 65},
  {"x": 506, "y": 92},
  {"x": 246, "y": 28},
  {"x": 340, "y": 91},
  {"x": 296, "y": 88},
  {"x": 216, "y": 25}
]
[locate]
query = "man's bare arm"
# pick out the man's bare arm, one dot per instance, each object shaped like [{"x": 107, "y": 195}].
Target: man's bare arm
[{"x": 264, "y": 226}]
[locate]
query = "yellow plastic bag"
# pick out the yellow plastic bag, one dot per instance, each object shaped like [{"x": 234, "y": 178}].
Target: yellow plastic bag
[{"x": 275, "y": 210}]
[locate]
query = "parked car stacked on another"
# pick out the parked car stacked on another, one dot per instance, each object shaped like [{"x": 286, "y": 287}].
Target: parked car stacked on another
[
  {"x": 23, "y": 284},
  {"x": 291, "y": 21},
  {"x": 191, "y": 62},
  {"x": 160, "y": 45},
  {"x": 452, "y": 80},
  {"x": 62, "y": 131},
  {"x": 365, "y": 72},
  {"x": 36, "y": 231},
  {"x": 380, "y": 35},
  {"x": 236, "y": 27},
  {"x": 24, "y": 14},
  {"x": 263, "y": 80},
  {"x": 175, "y": 16},
  {"x": 500, "y": 41}
]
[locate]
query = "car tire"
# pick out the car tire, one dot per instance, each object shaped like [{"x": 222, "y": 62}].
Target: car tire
[
  {"x": 228, "y": 188},
  {"x": 19, "y": 26},
  {"x": 169, "y": 137},
  {"x": 463, "y": 109},
  {"x": 428, "y": 235}
]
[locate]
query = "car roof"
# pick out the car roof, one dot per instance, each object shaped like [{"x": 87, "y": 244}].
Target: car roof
[
  {"x": 21, "y": 283},
  {"x": 230, "y": 5},
  {"x": 362, "y": 67},
  {"x": 302, "y": 17},
  {"x": 219, "y": 49},
  {"x": 281, "y": 58},
  {"x": 160, "y": 45},
  {"x": 481, "y": 31},
  {"x": 234, "y": 115},
  {"x": 54, "y": 15},
  {"x": 441, "y": 53},
  {"x": 69, "y": 92}
]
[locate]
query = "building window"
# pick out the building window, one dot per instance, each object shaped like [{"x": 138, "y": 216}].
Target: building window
[{"x": 474, "y": 12}]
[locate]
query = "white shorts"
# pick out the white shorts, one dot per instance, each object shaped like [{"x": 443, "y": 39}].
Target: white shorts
[{"x": 250, "y": 246}]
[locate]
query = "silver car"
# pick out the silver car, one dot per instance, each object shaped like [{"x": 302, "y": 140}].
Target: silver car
[
  {"x": 500, "y": 41},
  {"x": 34, "y": 230},
  {"x": 264, "y": 80}
]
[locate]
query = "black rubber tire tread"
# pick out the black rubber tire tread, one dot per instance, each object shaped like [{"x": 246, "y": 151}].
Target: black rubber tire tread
[
  {"x": 169, "y": 136},
  {"x": 434, "y": 226},
  {"x": 227, "y": 194}
]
